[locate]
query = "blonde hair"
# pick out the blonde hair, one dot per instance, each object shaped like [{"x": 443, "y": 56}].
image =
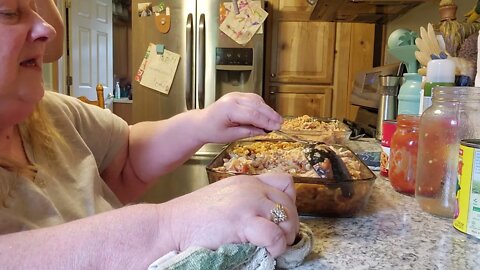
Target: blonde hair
[{"x": 42, "y": 135}]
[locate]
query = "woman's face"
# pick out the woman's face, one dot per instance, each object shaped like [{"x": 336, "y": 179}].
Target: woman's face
[{"x": 24, "y": 35}]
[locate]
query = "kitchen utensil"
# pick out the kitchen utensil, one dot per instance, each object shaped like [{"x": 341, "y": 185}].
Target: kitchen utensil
[
  {"x": 324, "y": 161},
  {"x": 289, "y": 136},
  {"x": 327, "y": 164}
]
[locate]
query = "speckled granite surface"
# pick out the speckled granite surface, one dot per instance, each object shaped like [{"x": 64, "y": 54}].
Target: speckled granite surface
[{"x": 392, "y": 232}]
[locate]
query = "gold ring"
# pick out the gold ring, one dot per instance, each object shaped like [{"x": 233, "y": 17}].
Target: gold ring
[{"x": 278, "y": 214}]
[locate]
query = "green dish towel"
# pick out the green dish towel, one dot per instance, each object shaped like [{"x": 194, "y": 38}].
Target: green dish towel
[{"x": 237, "y": 256}]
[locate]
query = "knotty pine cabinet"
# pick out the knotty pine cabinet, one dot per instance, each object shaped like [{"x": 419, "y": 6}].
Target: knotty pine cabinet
[
  {"x": 123, "y": 108},
  {"x": 311, "y": 65},
  {"x": 311, "y": 100}
]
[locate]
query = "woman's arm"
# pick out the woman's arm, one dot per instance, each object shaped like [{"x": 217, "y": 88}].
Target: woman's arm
[
  {"x": 127, "y": 238},
  {"x": 234, "y": 210},
  {"x": 156, "y": 148},
  {"x": 49, "y": 12}
]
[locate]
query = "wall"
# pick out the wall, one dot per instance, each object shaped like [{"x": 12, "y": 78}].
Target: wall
[
  {"x": 421, "y": 16},
  {"x": 52, "y": 76},
  {"x": 121, "y": 49},
  {"x": 48, "y": 77}
]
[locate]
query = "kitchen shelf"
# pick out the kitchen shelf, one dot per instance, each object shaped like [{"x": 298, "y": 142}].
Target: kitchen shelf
[{"x": 361, "y": 11}]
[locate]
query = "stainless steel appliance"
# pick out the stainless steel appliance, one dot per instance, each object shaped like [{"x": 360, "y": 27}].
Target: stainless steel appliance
[
  {"x": 388, "y": 107},
  {"x": 370, "y": 95},
  {"x": 211, "y": 65}
]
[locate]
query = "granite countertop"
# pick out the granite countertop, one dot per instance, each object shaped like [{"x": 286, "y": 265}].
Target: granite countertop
[
  {"x": 391, "y": 232},
  {"x": 122, "y": 100}
]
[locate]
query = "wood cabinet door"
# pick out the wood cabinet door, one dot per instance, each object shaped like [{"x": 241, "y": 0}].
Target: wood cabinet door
[
  {"x": 124, "y": 110},
  {"x": 296, "y": 10},
  {"x": 302, "y": 52},
  {"x": 298, "y": 100}
]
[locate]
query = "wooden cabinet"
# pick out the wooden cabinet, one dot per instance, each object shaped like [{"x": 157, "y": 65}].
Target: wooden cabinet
[
  {"x": 303, "y": 52},
  {"x": 123, "y": 108},
  {"x": 293, "y": 9},
  {"x": 122, "y": 49},
  {"x": 296, "y": 100},
  {"x": 354, "y": 53},
  {"x": 311, "y": 65}
]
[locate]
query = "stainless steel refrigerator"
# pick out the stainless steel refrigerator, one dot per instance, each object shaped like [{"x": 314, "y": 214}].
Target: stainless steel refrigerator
[{"x": 211, "y": 65}]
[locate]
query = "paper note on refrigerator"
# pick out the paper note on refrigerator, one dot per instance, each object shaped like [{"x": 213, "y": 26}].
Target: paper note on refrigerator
[
  {"x": 241, "y": 27},
  {"x": 159, "y": 69}
]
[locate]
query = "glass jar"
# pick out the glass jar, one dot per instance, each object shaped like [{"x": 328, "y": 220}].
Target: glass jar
[
  {"x": 452, "y": 117},
  {"x": 403, "y": 154}
]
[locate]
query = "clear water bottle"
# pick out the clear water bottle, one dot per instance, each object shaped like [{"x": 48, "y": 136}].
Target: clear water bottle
[
  {"x": 117, "y": 91},
  {"x": 453, "y": 116}
]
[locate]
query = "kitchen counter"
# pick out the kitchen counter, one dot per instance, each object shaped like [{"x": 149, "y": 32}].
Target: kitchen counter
[
  {"x": 391, "y": 232},
  {"x": 123, "y": 100}
]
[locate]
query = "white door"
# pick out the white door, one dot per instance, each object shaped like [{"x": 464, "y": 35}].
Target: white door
[{"x": 90, "y": 47}]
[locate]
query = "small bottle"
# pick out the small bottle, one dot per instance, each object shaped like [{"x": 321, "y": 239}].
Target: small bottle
[
  {"x": 409, "y": 95},
  {"x": 403, "y": 154},
  {"x": 117, "y": 92}
]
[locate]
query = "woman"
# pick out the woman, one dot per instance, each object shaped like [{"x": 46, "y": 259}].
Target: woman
[{"x": 65, "y": 166}]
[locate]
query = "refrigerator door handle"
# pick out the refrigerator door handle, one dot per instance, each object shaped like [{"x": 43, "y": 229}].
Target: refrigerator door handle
[
  {"x": 201, "y": 62},
  {"x": 189, "y": 63}
]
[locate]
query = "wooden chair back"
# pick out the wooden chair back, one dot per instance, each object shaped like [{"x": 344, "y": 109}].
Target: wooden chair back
[{"x": 100, "y": 102}]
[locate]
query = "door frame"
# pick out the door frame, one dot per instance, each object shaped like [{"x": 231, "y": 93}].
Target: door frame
[{"x": 61, "y": 66}]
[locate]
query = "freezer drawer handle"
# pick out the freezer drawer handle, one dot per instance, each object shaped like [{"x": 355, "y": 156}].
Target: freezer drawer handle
[
  {"x": 189, "y": 64},
  {"x": 201, "y": 62}
]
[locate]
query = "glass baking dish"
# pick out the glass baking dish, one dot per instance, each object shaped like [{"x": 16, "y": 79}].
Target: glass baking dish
[
  {"x": 315, "y": 196},
  {"x": 326, "y": 130}
]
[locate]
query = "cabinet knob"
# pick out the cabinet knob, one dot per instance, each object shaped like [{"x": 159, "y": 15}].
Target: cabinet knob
[
  {"x": 273, "y": 75},
  {"x": 273, "y": 90}
]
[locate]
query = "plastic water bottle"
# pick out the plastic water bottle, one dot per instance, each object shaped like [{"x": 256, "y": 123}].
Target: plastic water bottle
[
  {"x": 117, "y": 91},
  {"x": 409, "y": 95}
]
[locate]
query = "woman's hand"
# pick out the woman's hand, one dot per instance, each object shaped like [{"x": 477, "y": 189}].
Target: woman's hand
[
  {"x": 234, "y": 210},
  {"x": 156, "y": 148},
  {"x": 235, "y": 116}
]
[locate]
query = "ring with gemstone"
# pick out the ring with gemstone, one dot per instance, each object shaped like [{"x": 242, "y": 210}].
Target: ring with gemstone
[{"x": 278, "y": 214}]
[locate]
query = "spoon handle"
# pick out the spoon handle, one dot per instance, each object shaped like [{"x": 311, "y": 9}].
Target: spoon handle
[{"x": 289, "y": 136}]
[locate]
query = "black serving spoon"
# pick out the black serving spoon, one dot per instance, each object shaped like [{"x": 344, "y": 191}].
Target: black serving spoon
[
  {"x": 324, "y": 161},
  {"x": 327, "y": 164}
]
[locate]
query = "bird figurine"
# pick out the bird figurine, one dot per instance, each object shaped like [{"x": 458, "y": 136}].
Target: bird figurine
[
  {"x": 431, "y": 46},
  {"x": 428, "y": 45}
]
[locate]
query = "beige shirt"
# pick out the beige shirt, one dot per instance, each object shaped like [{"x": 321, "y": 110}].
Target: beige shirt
[{"x": 72, "y": 188}]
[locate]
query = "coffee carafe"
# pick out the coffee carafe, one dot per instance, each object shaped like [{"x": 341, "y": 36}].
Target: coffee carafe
[{"x": 387, "y": 109}]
